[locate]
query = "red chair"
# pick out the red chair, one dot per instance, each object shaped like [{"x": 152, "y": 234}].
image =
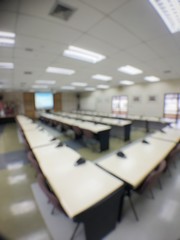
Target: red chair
[
  {"x": 147, "y": 184},
  {"x": 33, "y": 162}
]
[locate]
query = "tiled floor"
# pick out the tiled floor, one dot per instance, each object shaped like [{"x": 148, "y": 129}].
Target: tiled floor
[{"x": 20, "y": 218}]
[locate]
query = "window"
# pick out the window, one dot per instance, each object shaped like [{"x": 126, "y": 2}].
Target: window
[
  {"x": 120, "y": 105},
  {"x": 172, "y": 105}
]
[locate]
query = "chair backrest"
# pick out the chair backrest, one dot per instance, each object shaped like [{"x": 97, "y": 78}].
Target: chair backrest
[
  {"x": 77, "y": 130},
  {"x": 152, "y": 177},
  {"x": 49, "y": 194},
  {"x": 171, "y": 157},
  {"x": 88, "y": 134},
  {"x": 33, "y": 162}
]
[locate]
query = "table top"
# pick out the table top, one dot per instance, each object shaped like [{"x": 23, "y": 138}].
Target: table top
[
  {"x": 39, "y": 138},
  {"x": 81, "y": 124},
  {"x": 77, "y": 187},
  {"x": 141, "y": 159},
  {"x": 169, "y": 134}
]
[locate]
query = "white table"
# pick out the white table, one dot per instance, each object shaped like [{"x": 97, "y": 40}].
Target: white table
[{"x": 140, "y": 160}]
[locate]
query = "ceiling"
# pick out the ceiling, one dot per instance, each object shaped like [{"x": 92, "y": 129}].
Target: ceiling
[{"x": 127, "y": 32}]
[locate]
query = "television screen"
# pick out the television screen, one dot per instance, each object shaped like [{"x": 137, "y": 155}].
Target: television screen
[{"x": 44, "y": 100}]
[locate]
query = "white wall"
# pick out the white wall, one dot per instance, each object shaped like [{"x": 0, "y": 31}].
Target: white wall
[
  {"x": 101, "y": 100},
  {"x": 69, "y": 102}
]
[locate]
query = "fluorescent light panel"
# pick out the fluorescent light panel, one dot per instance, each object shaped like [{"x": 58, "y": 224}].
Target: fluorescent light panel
[
  {"x": 89, "y": 89},
  {"x": 7, "y": 41},
  {"x": 130, "y": 70},
  {"x": 7, "y": 34},
  {"x": 39, "y": 86},
  {"x": 83, "y": 54},
  {"x": 103, "y": 86},
  {"x": 79, "y": 84},
  {"x": 169, "y": 11},
  {"x": 6, "y": 65},
  {"x": 102, "y": 77},
  {"x": 152, "y": 79},
  {"x": 63, "y": 71},
  {"x": 49, "y": 82},
  {"x": 68, "y": 87},
  {"x": 126, "y": 82}
]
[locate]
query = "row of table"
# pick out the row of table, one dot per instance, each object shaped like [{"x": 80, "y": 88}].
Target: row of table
[
  {"x": 144, "y": 121},
  {"x": 87, "y": 193},
  {"x": 101, "y": 132},
  {"x": 93, "y": 193},
  {"x": 115, "y": 123}
]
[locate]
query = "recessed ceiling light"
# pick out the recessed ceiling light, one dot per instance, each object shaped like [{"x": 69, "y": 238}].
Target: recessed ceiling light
[
  {"x": 6, "y": 65},
  {"x": 6, "y": 41},
  {"x": 7, "y": 34},
  {"x": 63, "y": 71},
  {"x": 103, "y": 86},
  {"x": 79, "y": 84},
  {"x": 130, "y": 70},
  {"x": 89, "y": 89},
  {"x": 126, "y": 82},
  {"x": 102, "y": 77},
  {"x": 39, "y": 86},
  {"x": 49, "y": 82},
  {"x": 169, "y": 11},
  {"x": 152, "y": 79},
  {"x": 27, "y": 72},
  {"x": 68, "y": 88},
  {"x": 83, "y": 54}
]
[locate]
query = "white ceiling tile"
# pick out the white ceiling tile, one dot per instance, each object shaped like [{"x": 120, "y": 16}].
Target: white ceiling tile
[
  {"x": 164, "y": 46},
  {"x": 125, "y": 31},
  {"x": 7, "y": 21},
  {"x": 6, "y": 52},
  {"x": 42, "y": 8},
  {"x": 142, "y": 52},
  {"x": 42, "y": 29},
  {"x": 96, "y": 45},
  {"x": 140, "y": 18},
  {"x": 105, "y": 6},
  {"x": 9, "y": 5},
  {"x": 109, "y": 31}
]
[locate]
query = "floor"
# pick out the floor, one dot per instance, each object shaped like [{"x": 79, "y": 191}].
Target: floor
[{"x": 21, "y": 218}]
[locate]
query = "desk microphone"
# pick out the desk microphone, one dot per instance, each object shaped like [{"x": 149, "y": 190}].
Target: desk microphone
[
  {"x": 121, "y": 154},
  {"x": 162, "y": 131},
  {"x": 53, "y": 139},
  {"x": 60, "y": 145},
  {"x": 80, "y": 161}
]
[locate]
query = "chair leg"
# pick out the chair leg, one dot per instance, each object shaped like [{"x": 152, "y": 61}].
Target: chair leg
[
  {"x": 174, "y": 163},
  {"x": 168, "y": 169},
  {"x": 75, "y": 230},
  {"x": 52, "y": 212},
  {"x": 160, "y": 184},
  {"x": 152, "y": 194},
  {"x": 132, "y": 206}
]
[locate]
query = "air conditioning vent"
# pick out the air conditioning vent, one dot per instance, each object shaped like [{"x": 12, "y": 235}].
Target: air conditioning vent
[
  {"x": 62, "y": 11},
  {"x": 27, "y": 73}
]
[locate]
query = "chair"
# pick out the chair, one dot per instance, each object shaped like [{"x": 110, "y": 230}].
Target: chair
[
  {"x": 67, "y": 130},
  {"x": 147, "y": 184},
  {"x": 90, "y": 140},
  {"x": 33, "y": 162},
  {"x": 52, "y": 199},
  {"x": 171, "y": 158},
  {"x": 77, "y": 131},
  {"x": 48, "y": 192}
]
